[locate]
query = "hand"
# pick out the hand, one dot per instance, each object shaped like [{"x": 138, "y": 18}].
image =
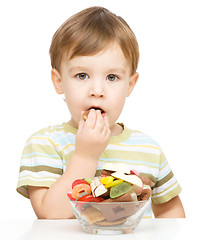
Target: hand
[{"x": 92, "y": 136}]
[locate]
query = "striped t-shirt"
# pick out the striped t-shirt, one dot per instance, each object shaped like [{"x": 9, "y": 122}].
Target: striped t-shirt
[{"x": 47, "y": 153}]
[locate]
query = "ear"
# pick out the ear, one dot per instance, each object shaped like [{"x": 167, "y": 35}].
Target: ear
[
  {"x": 57, "y": 81},
  {"x": 133, "y": 80}
]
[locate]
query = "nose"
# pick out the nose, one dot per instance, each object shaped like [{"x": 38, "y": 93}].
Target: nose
[{"x": 97, "y": 89}]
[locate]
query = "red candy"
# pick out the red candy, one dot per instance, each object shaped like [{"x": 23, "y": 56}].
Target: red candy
[
  {"x": 70, "y": 196},
  {"x": 90, "y": 198},
  {"x": 103, "y": 176},
  {"x": 134, "y": 172},
  {"x": 87, "y": 198},
  {"x": 79, "y": 181}
]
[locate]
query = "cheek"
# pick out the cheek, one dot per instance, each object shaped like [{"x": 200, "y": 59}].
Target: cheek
[
  {"x": 117, "y": 102},
  {"x": 120, "y": 96},
  {"x": 74, "y": 101},
  {"x": 72, "y": 93},
  {"x": 120, "y": 104}
]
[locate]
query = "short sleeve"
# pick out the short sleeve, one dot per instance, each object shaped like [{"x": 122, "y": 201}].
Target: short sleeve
[
  {"x": 166, "y": 186},
  {"x": 41, "y": 164}
]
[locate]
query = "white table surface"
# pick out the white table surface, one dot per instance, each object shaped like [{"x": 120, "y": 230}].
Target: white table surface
[{"x": 165, "y": 229}]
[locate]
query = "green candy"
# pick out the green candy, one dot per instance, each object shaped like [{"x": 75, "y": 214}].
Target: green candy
[
  {"x": 89, "y": 180},
  {"x": 120, "y": 189}
]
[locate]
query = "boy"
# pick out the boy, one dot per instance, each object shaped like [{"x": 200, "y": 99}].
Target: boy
[{"x": 94, "y": 57}]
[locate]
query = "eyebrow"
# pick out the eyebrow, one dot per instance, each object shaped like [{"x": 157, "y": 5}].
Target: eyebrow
[
  {"x": 110, "y": 70},
  {"x": 78, "y": 68},
  {"x": 119, "y": 70}
]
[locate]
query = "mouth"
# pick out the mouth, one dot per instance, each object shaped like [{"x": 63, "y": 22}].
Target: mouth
[{"x": 97, "y": 108}]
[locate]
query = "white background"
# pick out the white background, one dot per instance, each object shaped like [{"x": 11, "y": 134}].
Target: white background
[{"x": 166, "y": 103}]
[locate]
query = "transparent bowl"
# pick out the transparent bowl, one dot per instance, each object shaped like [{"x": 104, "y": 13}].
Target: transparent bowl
[{"x": 109, "y": 218}]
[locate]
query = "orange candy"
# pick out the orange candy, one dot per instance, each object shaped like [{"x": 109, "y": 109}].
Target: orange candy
[{"x": 80, "y": 190}]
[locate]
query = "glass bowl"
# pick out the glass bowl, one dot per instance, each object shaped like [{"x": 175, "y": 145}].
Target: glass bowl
[{"x": 109, "y": 218}]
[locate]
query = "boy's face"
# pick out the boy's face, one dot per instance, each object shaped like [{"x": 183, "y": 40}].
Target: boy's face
[{"x": 102, "y": 81}]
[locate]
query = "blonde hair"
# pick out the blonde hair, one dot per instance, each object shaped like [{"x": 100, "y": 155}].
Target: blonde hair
[{"x": 90, "y": 31}]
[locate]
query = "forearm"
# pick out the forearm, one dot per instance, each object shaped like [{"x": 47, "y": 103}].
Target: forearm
[
  {"x": 170, "y": 209},
  {"x": 52, "y": 202}
]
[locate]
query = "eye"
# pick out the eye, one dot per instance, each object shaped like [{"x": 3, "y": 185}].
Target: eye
[
  {"x": 112, "y": 77},
  {"x": 82, "y": 76}
]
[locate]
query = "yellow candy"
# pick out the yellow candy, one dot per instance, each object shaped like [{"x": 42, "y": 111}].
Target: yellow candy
[
  {"x": 106, "y": 180},
  {"x": 114, "y": 183}
]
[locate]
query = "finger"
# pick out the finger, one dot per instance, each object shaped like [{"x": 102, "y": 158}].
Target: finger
[
  {"x": 106, "y": 133},
  {"x": 91, "y": 120},
  {"x": 106, "y": 121},
  {"x": 99, "y": 126}
]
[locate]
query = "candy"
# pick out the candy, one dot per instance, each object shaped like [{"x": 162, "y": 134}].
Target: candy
[
  {"x": 80, "y": 190},
  {"x": 106, "y": 180},
  {"x": 98, "y": 189},
  {"x": 114, "y": 183},
  {"x": 90, "y": 198},
  {"x": 146, "y": 181},
  {"x": 133, "y": 179},
  {"x": 103, "y": 176},
  {"x": 111, "y": 223},
  {"x": 120, "y": 189},
  {"x": 106, "y": 172},
  {"x": 85, "y": 115},
  {"x": 70, "y": 196},
  {"x": 133, "y": 195},
  {"x": 88, "y": 180},
  {"x": 118, "y": 211},
  {"x": 146, "y": 193},
  {"x": 79, "y": 181},
  {"x": 121, "y": 167},
  {"x": 92, "y": 215},
  {"x": 81, "y": 202},
  {"x": 133, "y": 171},
  {"x": 127, "y": 197}
]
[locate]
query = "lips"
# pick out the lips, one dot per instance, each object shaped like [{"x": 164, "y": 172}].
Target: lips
[{"x": 96, "y": 108}]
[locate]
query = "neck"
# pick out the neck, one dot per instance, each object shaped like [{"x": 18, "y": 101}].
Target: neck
[{"x": 116, "y": 129}]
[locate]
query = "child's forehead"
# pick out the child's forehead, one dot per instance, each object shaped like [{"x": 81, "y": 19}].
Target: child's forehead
[
  {"x": 112, "y": 56},
  {"x": 112, "y": 50}
]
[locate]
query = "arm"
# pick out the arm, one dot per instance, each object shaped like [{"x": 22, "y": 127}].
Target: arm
[
  {"x": 91, "y": 140},
  {"x": 52, "y": 203},
  {"x": 171, "y": 209}
]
